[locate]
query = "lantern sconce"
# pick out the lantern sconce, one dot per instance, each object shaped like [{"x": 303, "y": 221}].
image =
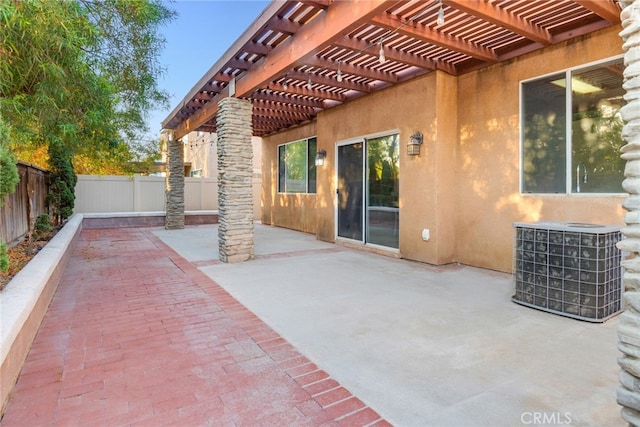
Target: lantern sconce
[
  {"x": 415, "y": 141},
  {"x": 320, "y": 156}
]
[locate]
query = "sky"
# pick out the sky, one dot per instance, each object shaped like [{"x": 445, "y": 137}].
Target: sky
[{"x": 195, "y": 40}]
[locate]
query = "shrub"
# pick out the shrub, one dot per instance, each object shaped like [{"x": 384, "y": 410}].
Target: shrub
[
  {"x": 4, "y": 257},
  {"x": 42, "y": 225}
]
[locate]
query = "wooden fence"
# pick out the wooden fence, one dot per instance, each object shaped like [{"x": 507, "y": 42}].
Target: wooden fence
[{"x": 21, "y": 208}]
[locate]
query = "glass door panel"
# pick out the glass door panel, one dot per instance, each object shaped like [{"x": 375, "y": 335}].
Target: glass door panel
[
  {"x": 383, "y": 179},
  {"x": 350, "y": 191}
]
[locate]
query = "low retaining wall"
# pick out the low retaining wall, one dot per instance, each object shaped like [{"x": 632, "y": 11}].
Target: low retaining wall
[
  {"x": 144, "y": 219},
  {"x": 25, "y": 299}
]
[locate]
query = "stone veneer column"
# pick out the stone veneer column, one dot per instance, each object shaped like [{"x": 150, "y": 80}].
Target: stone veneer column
[
  {"x": 235, "y": 173},
  {"x": 174, "y": 191},
  {"x": 628, "y": 395}
]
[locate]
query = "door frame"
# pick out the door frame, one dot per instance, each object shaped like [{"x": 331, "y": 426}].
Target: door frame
[{"x": 349, "y": 141}]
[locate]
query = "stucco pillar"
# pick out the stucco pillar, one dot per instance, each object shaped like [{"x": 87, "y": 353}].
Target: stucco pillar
[
  {"x": 174, "y": 191},
  {"x": 235, "y": 173},
  {"x": 629, "y": 327}
]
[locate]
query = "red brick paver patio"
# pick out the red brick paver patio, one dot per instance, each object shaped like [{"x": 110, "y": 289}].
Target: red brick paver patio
[{"x": 136, "y": 335}]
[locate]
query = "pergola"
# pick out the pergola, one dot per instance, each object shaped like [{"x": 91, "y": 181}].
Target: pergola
[{"x": 301, "y": 57}]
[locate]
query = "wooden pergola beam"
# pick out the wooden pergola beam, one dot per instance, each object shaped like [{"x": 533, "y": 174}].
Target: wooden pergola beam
[
  {"x": 336, "y": 21},
  {"x": 331, "y": 81},
  {"x": 395, "y": 55},
  {"x": 436, "y": 38},
  {"x": 285, "y": 26},
  {"x": 295, "y": 100},
  {"x": 497, "y": 16},
  {"x": 356, "y": 70},
  {"x": 304, "y": 91},
  {"x": 246, "y": 38},
  {"x": 266, "y": 104},
  {"x": 605, "y": 9}
]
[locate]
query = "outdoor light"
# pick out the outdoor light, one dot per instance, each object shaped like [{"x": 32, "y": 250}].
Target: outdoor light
[
  {"x": 415, "y": 141},
  {"x": 381, "y": 57},
  {"x": 339, "y": 74},
  {"x": 320, "y": 156},
  {"x": 440, "y": 20}
]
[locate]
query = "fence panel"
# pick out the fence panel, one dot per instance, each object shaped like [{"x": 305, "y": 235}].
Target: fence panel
[
  {"x": 104, "y": 194},
  {"x": 21, "y": 208},
  {"x": 99, "y": 194},
  {"x": 200, "y": 194},
  {"x": 149, "y": 193}
]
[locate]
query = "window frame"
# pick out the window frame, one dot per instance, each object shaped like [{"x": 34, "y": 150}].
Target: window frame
[
  {"x": 310, "y": 155},
  {"x": 568, "y": 185}
]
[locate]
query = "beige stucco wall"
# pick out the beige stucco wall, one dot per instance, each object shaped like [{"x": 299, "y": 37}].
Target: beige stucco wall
[
  {"x": 200, "y": 149},
  {"x": 295, "y": 211},
  {"x": 200, "y": 152},
  {"x": 464, "y": 187},
  {"x": 404, "y": 109},
  {"x": 488, "y": 199}
]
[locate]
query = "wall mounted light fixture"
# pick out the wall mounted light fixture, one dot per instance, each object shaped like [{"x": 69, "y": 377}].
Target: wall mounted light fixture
[
  {"x": 415, "y": 141},
  {"x": 320, "y": 157}
]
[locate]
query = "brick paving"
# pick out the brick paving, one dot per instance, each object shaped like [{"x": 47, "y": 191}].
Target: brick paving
[{"x": 136, "y": 335}]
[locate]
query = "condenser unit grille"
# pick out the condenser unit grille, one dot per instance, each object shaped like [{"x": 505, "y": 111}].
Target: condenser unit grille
[{"x": 569, "y": 270}]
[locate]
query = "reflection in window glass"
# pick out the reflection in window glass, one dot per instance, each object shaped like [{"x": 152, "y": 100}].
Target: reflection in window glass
[
  {"x": 544, "y": 149},
  {"x": 596, "y": 131},
  {"x": 383, "y": 182},
  {"x": 595, "y": 99},
  {"x": 296, "y": 167}
]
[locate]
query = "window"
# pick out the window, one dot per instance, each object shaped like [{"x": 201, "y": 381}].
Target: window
[
  {"x": 297, "y": 167},
  {"x": 571, "y": 131}
]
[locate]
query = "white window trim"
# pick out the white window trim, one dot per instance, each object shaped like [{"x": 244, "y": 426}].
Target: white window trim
[
  {"x": 568, "y": 179},
  {"x": 306, "y": 174}
]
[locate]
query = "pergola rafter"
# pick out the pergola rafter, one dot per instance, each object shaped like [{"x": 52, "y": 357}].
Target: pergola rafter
[{"x": 293, "y": 42}]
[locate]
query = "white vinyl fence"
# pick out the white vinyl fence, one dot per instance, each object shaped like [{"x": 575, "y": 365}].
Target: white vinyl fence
[{"x": 104, "y": 193}]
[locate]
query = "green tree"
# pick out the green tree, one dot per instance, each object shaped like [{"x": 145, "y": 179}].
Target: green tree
[
  {"x": 80, "y": 74},
  {"x": 9, "y": 176},
  {"x": 63, "y": 182}
]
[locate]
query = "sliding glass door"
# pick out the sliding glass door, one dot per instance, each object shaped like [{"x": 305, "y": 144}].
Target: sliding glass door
[{"x": 368, "y": 191}]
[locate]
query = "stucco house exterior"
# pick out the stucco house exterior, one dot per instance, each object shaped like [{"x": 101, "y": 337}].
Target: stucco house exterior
[
  {"x": 200, "y": 151},
  {"x": 476, "y": 172},
  {"x": 426, "y": 129},
  {"x": 488, "y": 88}
]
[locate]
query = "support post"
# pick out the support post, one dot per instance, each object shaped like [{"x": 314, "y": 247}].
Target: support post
[
  {"x": 235, "y": 173},
  {"x": 628, "y": 395},
  {"x": 174, "y": 191}
]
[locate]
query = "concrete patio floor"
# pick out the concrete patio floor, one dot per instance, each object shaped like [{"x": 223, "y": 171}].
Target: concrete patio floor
[
  {"x": 422, "y": 345},
  {"x": 139, "y": 335}
]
